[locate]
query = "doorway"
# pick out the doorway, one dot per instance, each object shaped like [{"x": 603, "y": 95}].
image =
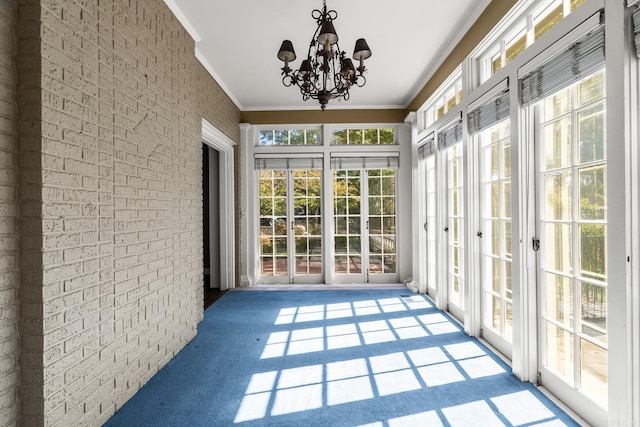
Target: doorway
[
  {"x": 219, "y": 234},
  {"x": 211, "y": 223}
]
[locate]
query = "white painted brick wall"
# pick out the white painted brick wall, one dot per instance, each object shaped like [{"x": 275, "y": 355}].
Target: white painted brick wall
[{"x": 111, "y": 202}]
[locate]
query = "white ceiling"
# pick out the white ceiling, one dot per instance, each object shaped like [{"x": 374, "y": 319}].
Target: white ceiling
[{"x": 237, "y": 41}]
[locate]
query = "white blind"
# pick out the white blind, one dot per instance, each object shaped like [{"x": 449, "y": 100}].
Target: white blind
[
  {"x": 636, "y": 30},
  {"x": 287, "y": 163},
  {"x": 581, "y": 59},
  {"x": 427, "y": 149},
  {"x": 365, "y": 162},
  {"x": 489, "y": 113},
  {"x": 450, "y": 136}
]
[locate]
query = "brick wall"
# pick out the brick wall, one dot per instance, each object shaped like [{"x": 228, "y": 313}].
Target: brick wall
[
  {"x": 111, "y": 101},
  {"x": 9, "y": 242}
]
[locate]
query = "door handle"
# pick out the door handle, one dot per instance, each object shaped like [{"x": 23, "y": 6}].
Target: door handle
[{"x": 446, "y": 229}]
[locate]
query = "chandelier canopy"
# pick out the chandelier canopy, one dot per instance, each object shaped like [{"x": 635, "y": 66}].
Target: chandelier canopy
[{"x": 327, "y": 73}]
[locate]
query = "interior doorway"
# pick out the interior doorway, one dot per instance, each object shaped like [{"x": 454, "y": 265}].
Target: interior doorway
[
  {"x": 211, "y": 223},
  {"x": 218, "y": 213}
]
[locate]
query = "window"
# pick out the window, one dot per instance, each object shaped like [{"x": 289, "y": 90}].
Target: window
[
  {"x": 363, "y": 137},
  {"x": 290, "y": 137},
  {"x": 448, "y": 95},
  {"x": 534, "y": 20}
]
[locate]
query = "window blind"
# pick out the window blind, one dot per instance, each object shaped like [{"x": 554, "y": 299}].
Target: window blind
[
  {"x": 427, "y": 149},
  {"x": 489, "y": 113},
  {"x": 450, "y": 136},
  {"x": 636, "y": 30},
  {"x": 287, "y": 163},
  {"x": 365, "y": 162},
  {"x": 581, "y": 59}
]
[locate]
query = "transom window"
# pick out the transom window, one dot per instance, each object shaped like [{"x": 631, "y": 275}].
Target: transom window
[
  {"x": 541, "y": 16},
  {"x": 448, "y": 95},
  {"x": 363, "y": 137},
  {"x": 290, "y": 137}
]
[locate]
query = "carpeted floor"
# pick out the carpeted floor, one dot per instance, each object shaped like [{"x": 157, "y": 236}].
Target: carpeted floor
[{"x": 383, "y": 357}]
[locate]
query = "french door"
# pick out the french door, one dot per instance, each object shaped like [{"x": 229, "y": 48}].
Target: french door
[
  {"x": 494, "y": 155},
  {"x": 364, "y": 202},
  {"x": 572, "y": 229},
  {"x": 290, "y": 226},
  {"x": 454, "y": 229},
  {"x": 431, "y": 224}
]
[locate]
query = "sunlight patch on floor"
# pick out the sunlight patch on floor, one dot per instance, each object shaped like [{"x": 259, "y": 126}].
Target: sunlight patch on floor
[
  {"x": 310, "y": 340},
  {"x": 307, "y": 388},
  {"x": 315, "y": 313}
]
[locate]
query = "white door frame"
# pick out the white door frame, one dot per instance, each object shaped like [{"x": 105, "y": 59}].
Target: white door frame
[{"x": 215, "y": 139}]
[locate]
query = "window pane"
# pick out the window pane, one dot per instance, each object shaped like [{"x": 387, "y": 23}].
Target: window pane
[
  {"x": 386, "y": 136},
  {"x": 559, "y": 351},
  {"x": 389, "y": 186},
  {"x": 280, "y": 207},
  {"x": 594, "y": 375},
  {"x": 594, "y": 311},
  {"x": 557, "y": 104},
  {"x": 516, "y": 48},
  {"x": 558, "y": 196},
  {"x": 389, "y": 262},
  {"x": 355, "y": 265},
  {"x": 296, "y": 137},
  {"x": 548, "y": 21},
  {"x": 591, "y": 89},
  {"x": 593, "y": 251},
  {"x": 355, "y": 136},
  {"x": 375, "y": 225},
  {"x": 313, "y": 137},
  {"x": 506, "y": 202},
  {"x": 340, "y": 137},
  {"x": 374, "y": 186},
  {"x": 591, "y": 128},
  {"x": 507, "y": 239},
  {"x": 281, "y": 137},
  {"x": 559, "y": 299},
  {"x": 371, "y": 136},
  {"x": 265, "y": 137},
  {"x": 592, "y": 193},
  {"x": 557, "y": 248},
  {"x": 506, "y": 171},
  {"x": 557, "y": 143}
]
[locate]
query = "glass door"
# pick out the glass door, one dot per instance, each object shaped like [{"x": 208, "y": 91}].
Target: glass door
[
  {"x": 365, "y": 212},
  {"x": 431, "y": 224},
  {"x": 347, "y": 211},
  {"x": 572, "y": 222},
  {"x": 290, "y": 226},
  {"x": 454, "y": 229},
  {"x": 495, "y": 219}
]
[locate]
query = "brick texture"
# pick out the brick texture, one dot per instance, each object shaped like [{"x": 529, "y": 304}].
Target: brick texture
[
  {"x": 9, "y": 208},
  {"x": 111, "y": 99}
]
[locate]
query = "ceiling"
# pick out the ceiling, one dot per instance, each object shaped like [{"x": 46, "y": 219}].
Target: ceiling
[{"x": 237, "y": 42}]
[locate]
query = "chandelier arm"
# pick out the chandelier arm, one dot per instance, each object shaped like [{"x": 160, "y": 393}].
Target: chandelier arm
[
  {"x": 288, "y": 80},
  {"x": 360, "y": 78}
]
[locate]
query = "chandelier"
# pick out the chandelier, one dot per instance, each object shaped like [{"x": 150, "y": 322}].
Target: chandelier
[{"x": 327, "y": 73}]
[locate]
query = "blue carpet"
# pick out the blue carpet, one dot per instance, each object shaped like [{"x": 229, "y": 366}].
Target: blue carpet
[{"x": 335, "y": 358}]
